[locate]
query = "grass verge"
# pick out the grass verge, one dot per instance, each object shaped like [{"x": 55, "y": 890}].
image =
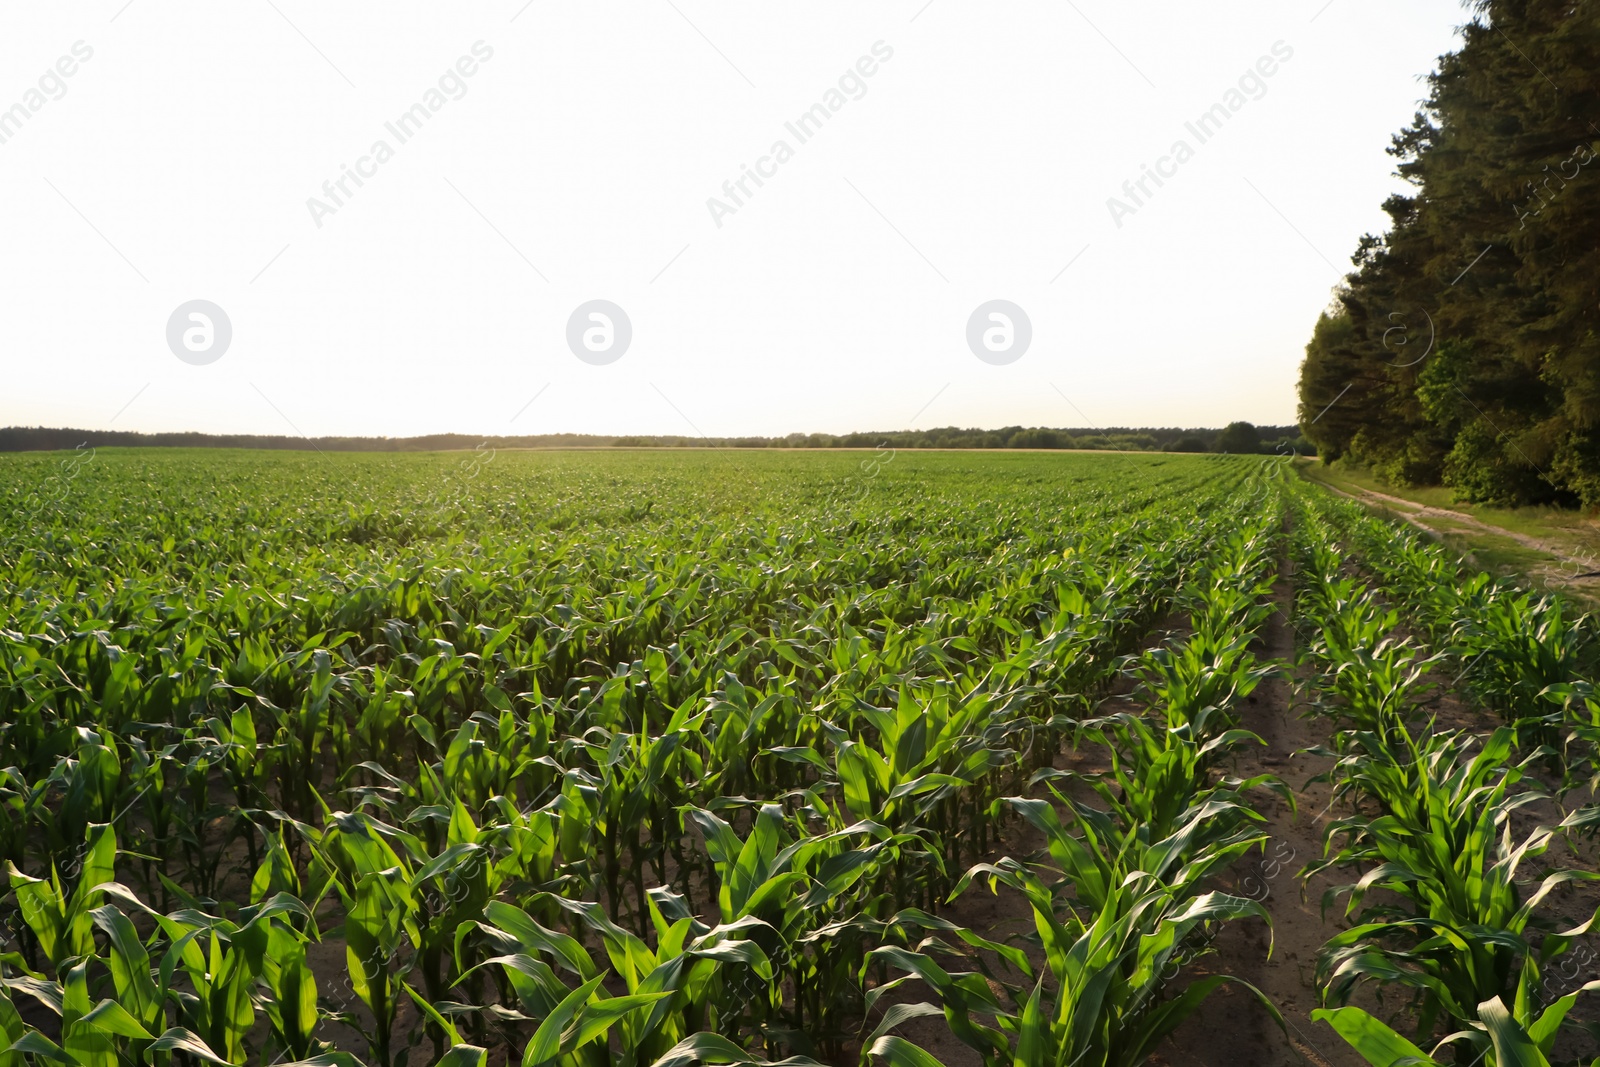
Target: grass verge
[{"x": 1550, "y": 547}]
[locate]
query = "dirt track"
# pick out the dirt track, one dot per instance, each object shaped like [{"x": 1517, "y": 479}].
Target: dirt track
[{"x": 1577, "y": 571}]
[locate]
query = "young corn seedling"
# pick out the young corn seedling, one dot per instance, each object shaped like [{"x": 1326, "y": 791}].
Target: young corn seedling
[
  {"x": 575, "y": 1025},
  {"x": 1097, "y": 1001},
  {"x": 1521, "y": 1036},
  {"x": 62, "y": 922},
  {"x": 1444, "y": 846},
  {"x": 798, "y": 884}
]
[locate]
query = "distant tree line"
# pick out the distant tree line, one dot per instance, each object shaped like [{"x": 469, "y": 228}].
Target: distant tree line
[
  {"x": 1464, "y": 350},
  {"x": 1239, "y": 437}
]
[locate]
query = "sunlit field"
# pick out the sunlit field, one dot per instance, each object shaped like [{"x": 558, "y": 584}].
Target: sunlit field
[{"x": 715, "y": 756}]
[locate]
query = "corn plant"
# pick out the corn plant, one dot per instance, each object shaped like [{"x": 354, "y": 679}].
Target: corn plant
[
  {"x": 480, "y": 730},
  {"x": 1521, "y": 1036},
  {"x": 1444, "y": 845},
  {"x": 1099, "y": 997},
  {"x": 62, "y": 920}
]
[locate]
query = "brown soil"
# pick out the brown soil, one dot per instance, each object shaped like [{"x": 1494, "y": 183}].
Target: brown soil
[{"x": 1233, "y": 1028}]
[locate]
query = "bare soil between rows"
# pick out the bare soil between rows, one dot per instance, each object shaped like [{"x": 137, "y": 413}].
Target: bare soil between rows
[{"x": 1232, "y": 1028}]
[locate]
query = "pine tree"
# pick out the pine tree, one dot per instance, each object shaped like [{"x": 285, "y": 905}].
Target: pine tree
[{"x": 1465, "y": 346}]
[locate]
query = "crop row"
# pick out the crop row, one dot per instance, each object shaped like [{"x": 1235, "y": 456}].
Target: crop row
[
  {"x": 687, "y": 791},
  {"x": 1437, "y": 828}
]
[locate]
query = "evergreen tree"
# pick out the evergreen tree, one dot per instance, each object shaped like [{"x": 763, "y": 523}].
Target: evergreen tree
[{"x": 1465, "y": 346}]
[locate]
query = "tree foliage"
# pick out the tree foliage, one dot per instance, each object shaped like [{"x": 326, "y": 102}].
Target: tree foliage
[
  {"x": 1119, "y": 438},
  {"x": 1240, "y": 439},
  {"x": 1464, "y": 349}
]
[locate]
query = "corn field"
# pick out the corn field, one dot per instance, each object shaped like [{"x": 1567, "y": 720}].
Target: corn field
[{"x": 678, "y": 758}]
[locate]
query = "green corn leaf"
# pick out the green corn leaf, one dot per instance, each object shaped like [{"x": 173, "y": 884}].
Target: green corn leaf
[
  {"x": 464, "y": 1056},
  {"x": 898, "y": 1014},
  {"x": 181, "y": 1040},
  {"x": 715, "y": 1049},
  {"x": 42, "y": 908},
  {"x": 898, "y": 1052},
  {"x": 597, "y": 1019},
  {"x": 546, "y": 1043},
  {"x": 1034, "y": 1043},
  {"x": 1545, "y": 1029},
  {"x": 112, "y": 1018},
  {"x": 326, "y": 1059},
  {"x": 535, "y": 938},
  {"x": 450, "y": 859},
  {"x": 427, "y": 1008},
  {"x": 33, "y": 1043},
  {"x": 1512, "y": 1045},
  {"x": 45, "y": 992},
  {"x": 12, "y": 1028},
  {"x": 1377, "y": 1044},
  {"x": 129, "y": 963}
]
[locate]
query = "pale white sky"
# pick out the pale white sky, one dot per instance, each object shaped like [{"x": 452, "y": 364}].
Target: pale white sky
[{"x": 575, "y": 163}]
